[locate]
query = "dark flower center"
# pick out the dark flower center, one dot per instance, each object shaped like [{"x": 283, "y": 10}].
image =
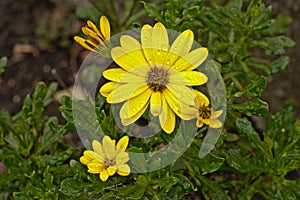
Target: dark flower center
[
  {"x": 204, "y": 112},
  {"x": 157, "y": 79},
  {"x": 108, "y": 163}
]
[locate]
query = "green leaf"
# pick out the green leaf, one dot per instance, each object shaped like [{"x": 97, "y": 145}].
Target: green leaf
[
  {"x": 254, "y": 88},
  {"x": 50, "y": 92},
  {"x": 166, "y": 182},
  {"x": 209, "y": 163},
  {"x": 3, "y": 63},
  {"x": 279, "y": 65},
  {"x": 213, "y": 189},
  {"x": 245, "y": 128},
  {"x": 280, "y": 121},
  {"x": 152, "y": 11},
  {"x": 71, "y": 186},
  {"x": 275, "y": 45},
  {"x": 252, "y": 107},
  {"x": 191, "y": 13}
]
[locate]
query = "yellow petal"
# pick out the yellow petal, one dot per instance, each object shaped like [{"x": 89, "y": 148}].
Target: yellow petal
[
  {"x": 184, "y": 94},
  {"x": 215, "y": 123},
  {"x": 105, "y": 27},
  {"x": 201, "y": 99},
  {"x": 194, "y": 77},
  {"x": 109, "y": 147},
  {"x": 181, "y": 46},
  {"x": 199, "y": 123},
  {"x": 121, "y": 76},
  {"x": 216, "y": 114},
  {"x": 155, "y": 43},
  {"x": 133, "y": 61},
  {"x": 135, "y": 104},
  {"x": 206, "y": 121},
  {"x": 92, "y": 35},
  {"x": 122, "y": 158},
  {"x": 104, "y": 175},
  {"x": 155, "y": 103},
  {"x": 123, "y": 170},
  {"x": 173, "y": 102},
  {"x": 123, "y": 142},
  {"x": 192, "y": 60},
  {"x": 128, "y": 44},
  {"x": 83, "y": 43},
  {"x": 127, "y": 121},
  {"x": 111, "y": 170},
  {"x": 167, "y": 117},
  {"x": 84, "y": 160},
  {"x": 94, "y": 28},
  {"x": 125, "y": 91},
  {"x": 95, "y": 168},
  {"x": 98, "y": 148},
  {"x": 107, "y": 88}
]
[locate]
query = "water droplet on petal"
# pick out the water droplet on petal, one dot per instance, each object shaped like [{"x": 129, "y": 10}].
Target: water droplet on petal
[{"x": 164, "y": 48}]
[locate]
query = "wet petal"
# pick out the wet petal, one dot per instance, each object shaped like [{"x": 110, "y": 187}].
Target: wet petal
[
  {"x": 123, "y": 142},
  {"x": 133, "y": 61},
  {"x": 184, "y": 94},
  {"x": 155, "y": 103},
  {"x": 124, "y": 92},
  {"x": 181, "y": 46},
  {"x": 127, "y": 121},
  {"x": 192, "y": 60},
  {"x": 155, "y": 43},
  {"x": 194, "y": 77},
  {"x": 122, "y": 76},
  {"x": 167, "y": 117},
  {"x": 135, "y": 105},
  {"x": 123, "y": 170},
  {"x": 105, "y": 27},
  {"x": 128, "y": 44}
]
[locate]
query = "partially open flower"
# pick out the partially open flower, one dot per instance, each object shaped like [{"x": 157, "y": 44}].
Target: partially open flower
[
  {"x": 97, "y": 39},
  {"x": 107, "y": 158}
]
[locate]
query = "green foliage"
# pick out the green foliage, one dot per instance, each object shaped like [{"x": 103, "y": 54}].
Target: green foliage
[
  {"x": 30, "y": 149},
  {"x": 246, "y": 163},
  {"x": 3, "y": 62}
]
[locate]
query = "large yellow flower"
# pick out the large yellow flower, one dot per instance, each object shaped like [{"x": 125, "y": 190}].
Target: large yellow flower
[
  {"x": 106, "y": 158},
  {"x": 97, "y": 39},
  {"x": 153, "y": 72}
]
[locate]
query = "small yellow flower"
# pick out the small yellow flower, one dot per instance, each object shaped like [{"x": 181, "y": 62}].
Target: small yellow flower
[
  {"x": 107, "y": 158},
  {"x": 97, "y": 39},
  {"x": 204, "y": 112},
  {"x": 154, "y": 73}
]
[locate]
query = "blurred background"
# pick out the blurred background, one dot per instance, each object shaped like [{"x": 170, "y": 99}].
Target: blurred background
[{"x": 37, "y": 38}]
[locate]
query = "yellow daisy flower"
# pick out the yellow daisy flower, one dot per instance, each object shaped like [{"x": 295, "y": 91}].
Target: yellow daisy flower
[
  {"x": 97, "y": 39},
  {"x": 107, "y": 158},
  {"x": 205, "y": 114},
  {"x": 154, "y": 73}
]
